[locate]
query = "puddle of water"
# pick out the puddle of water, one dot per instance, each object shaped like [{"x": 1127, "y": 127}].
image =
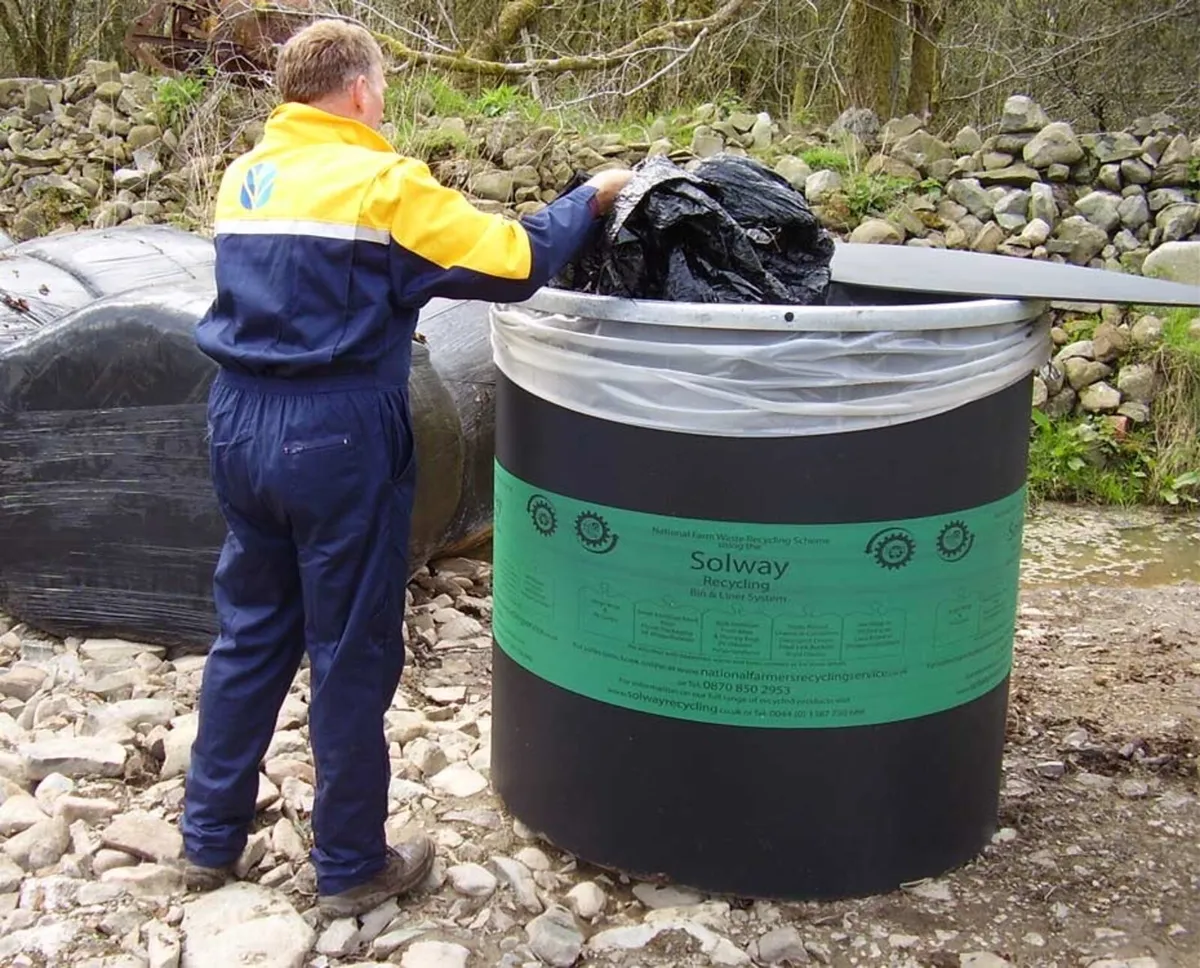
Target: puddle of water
[
  {"x": 1139, "y": 547},
  {"x": 1071, "y": 544}
]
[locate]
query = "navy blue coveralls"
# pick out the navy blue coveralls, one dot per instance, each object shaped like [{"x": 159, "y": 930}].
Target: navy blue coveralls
[{"x": 327, "y": 244}]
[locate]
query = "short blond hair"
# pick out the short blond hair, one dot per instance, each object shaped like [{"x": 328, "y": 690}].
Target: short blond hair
[{"x": 324, "y": 58}]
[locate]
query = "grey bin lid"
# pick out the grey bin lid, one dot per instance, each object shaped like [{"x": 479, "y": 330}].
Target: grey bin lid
[{"x": 954, "y": 272}]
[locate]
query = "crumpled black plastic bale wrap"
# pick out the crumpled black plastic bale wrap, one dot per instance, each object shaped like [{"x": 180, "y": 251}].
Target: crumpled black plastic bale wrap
[
  {"x": 107, "y": 516},
  {"x": 729, "y": 231},
  {"x": 44, "y": 279}
]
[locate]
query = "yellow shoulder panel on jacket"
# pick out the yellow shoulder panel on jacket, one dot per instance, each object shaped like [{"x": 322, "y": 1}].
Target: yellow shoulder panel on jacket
[
  {"x": 439, "y": 224},
  {"x": 309, "y": 188}
]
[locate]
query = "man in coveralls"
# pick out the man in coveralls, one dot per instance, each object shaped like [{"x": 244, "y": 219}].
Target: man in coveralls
[{"x": 327, "y": 244}]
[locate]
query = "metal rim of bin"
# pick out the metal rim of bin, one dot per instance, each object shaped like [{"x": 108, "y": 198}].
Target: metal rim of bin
[{"x": 917, "y": 317}]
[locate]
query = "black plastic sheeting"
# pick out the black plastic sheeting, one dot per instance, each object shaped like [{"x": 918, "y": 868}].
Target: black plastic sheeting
[
  {"x": 107, "y": 516},
  {"x": 43, "y": 279},
  {"x": 729, "y": 231}
]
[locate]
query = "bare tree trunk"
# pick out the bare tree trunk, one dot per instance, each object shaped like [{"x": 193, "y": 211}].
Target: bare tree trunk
[
  {"x": 877, "y": 33},
  {"x": 923, "y": 82}
]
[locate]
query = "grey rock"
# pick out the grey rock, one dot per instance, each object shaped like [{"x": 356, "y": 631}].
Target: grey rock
[
  {"x": 21, "y": 681},
  {"x": 492, "y": 186},
  {"x": 1134, "y": 171},
  {"x": 822, "y": 184},
  {"x": 1109, "y": 342},
  {"x": 1034, "y": 234},
  {"x": 656, "y": 898},
  {"x": 982, "y": 959},
  {"x": 37, "y": 100},
  {"x": 41, "y": 846},
  {"x": 555, "y": 938},
  {"x": 988, "y": 239},
  {"x": 20, "y": 812},
  {"x": 52, "y": 941},
  {"x": 762, "y": 132},
  {"x": 434, "y": 954},
  {"x": 163, "y": 947},
  {"x": 458, "y": 780},
  {"x": 1083, "y": 349},
  {"x": 1042, "y": 204},
  {"x": 1053, "y": 769},
  {"x": 242, "y": 924},
  {"x": 1061, "y": 404},
  {"x": 877, "y": 231},
  {"x": 177, "y": 746},
  {"x": 1134, "y": 211},
  {"x": 11, "y": 875},
  {"x": 1162, "y": 198},
  {"x": 1058, "y": 173},
  {"x": 1010, "y": 175},
  {"x": 1099, "y": 398},
  {"x": 1109, "y": 148},
  {"x": 782, "y": 946},
  {"x": 899, "y": 128},
  {"x": 1177, "y": 222},
  {"x": 967, "y": 141},
  {"x": 1100, "y": 208},
  {"x": 1137, "y": 382},
  {"x": 1110, "y": 177},
  {"x": 1081, "y": 373},
  {"x": 143, "y": 835},
  {"x": 339, "y": 939},
  {"x": 133, "y": 713},
  {"x": 970, "y": 194},
  {"x": 1054, "y": 144},
  {"x": 706, "y": 142},
  {"x": 1082, "y": 239},
  {"x": 1179, "y": 151},
  {"x": 794, "y": 169},
  {"x": 110, "y": 860},
  {"x": 1139, "y": 413},
  {"x": 1041, "y": 392},
  {"x": 472, "y": 880},
  {"x": 1012, "y": 210},
  {"x": 518, "y": 877},
  {"x": 862, "y": 123},
  {"x": 74, "y": 757},
  {"x": 1177, "y": 175},
  {"x": 920, "y": 149},
  {"x": 1022, "y": 114},
  {"x": 1148, "y": 329},
  {"x": 587, "y": 899},
  {"x": 111, "y": 214},
  {"x": 1175, "y": 261}
]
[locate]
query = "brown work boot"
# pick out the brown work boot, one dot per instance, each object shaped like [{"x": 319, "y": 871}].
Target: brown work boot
[
  {"x": 197, "y": 878},
  {"x": 407, "y": 866}
]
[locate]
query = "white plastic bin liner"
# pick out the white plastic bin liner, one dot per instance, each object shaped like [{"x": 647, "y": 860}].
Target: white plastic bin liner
[{"x": 781, "y": 381}]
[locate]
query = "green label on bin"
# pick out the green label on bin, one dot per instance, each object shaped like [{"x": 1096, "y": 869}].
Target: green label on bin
[{"x": 763, "y": 625}]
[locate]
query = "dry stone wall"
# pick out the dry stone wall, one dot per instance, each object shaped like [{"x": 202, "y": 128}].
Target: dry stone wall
[{"x": 93, "y": 150}]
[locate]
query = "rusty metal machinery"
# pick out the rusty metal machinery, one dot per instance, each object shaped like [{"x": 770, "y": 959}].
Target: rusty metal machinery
[{"x": 235, "y": 37}]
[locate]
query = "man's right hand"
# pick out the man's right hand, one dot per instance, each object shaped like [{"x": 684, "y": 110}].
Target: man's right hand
[{"x": 608, "y": 185}]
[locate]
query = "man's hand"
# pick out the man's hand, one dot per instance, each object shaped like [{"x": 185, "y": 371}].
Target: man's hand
[{"x": 608, "y": 185}]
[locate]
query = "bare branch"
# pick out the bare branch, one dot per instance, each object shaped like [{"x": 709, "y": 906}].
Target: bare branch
[{"x": 463, "y": 63}]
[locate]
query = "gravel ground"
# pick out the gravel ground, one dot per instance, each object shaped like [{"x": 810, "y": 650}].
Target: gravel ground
[{"x": 1096, "y": 863}]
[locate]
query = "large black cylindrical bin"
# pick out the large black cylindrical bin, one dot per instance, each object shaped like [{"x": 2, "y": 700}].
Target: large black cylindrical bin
[{"x": 756, "y": 577}]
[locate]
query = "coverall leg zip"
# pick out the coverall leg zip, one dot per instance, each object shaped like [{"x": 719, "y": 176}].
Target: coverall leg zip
[{"x": 316, "y": 480}]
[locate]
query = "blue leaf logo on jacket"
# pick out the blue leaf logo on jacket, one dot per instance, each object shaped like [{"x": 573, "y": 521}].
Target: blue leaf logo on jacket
[{"x": 257, "y": 186}]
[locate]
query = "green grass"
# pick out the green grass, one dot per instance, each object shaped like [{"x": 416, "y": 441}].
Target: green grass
[
  {"x": 874, "y": 194},
  {"x": 175, "y": 98},
  {"x": 1084, "y": 459},
  {"x": 819, "y": 159}
]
